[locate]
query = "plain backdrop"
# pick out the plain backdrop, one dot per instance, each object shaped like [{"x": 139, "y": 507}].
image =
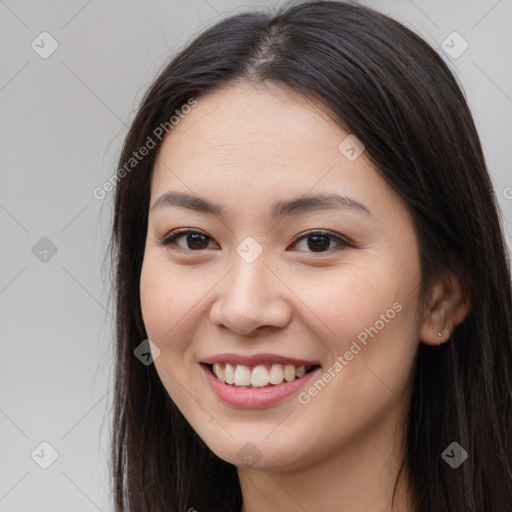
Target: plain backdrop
[{"x": 63, "y": 118}]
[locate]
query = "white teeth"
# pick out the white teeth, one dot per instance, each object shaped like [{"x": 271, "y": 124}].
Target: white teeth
[
  {"x": 276, "y": 374},
  {"x": 242, "y": 375},
  {"x": 229, "y": 373},
  {"x": 289, "y": 372},
  {"x": 300, "y": 371},
  {"x": 259, "y": 376},
  {"x": 219, "y": 372}
]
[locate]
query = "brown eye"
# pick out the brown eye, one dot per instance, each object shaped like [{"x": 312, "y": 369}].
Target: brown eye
[
  {"x": 316, "y": 242},
  {"x": 319, "y": 242},
  {"x": 194, "y": 240}
]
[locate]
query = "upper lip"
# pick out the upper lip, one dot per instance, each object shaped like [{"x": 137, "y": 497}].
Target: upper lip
[{"x": 257, "y": 359}]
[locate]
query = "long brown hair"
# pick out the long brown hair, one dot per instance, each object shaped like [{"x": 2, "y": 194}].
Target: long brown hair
[{"x": 385, "y": 84}]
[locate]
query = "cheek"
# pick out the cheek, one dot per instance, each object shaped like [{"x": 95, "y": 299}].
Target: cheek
[
  {"x": 372, "y": 350},
  {"x": 353, "y": 299},
  {"x": 155, "y": 302},
  {"x": 163, "y": 301},
  {"x": 369, "y": 318},
  {"x": 167, "y": 311},
  {"x": 172, "y": 304}
]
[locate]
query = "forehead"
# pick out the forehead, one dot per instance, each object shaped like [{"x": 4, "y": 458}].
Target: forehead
[
  {"x": 260, "y": 142},
  {"x": 240, "y": 127},
  {"x": 234, "y": 118}
]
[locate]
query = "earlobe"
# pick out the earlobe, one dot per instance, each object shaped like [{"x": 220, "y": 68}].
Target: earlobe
[
  {"x": 440, "y": 333},
  {"x": 447, "y": 307}
]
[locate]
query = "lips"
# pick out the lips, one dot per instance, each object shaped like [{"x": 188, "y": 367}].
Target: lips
[
  {"x": 256, "y": 380},
  {"x": 257, "y": 359},
  {"x": 256, "y": 397}
]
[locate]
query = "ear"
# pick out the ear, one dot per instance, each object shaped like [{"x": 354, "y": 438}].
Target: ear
[{"x": 447, "y": 306}]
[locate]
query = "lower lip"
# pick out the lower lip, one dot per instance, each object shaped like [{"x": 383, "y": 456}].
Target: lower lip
[{"x": 253, "y": 397}]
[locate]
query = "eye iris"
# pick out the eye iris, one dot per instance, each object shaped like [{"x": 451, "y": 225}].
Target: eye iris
[
  {"x": 195, "y": 238},
  {"x": 319, "y": 242}
]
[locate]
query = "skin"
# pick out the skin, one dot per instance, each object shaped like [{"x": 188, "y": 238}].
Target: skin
[{"x": 246, "y": 147}]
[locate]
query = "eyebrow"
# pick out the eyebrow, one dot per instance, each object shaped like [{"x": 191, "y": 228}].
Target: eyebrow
[{"x": 301, "y": 204}]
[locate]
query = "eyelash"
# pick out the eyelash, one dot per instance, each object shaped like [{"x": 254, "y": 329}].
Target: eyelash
[{"x": 170, "y": 240}]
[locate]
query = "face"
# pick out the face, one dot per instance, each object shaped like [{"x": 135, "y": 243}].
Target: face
[{"x": 274, "y": 287}]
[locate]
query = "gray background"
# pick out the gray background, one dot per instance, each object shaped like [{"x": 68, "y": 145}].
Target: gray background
[{"x": 63, "y": 119}]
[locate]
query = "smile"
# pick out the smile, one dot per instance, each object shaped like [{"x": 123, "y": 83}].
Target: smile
[
  {"x": 258, "y": 376},
  {"x": 260, "y": 382}
]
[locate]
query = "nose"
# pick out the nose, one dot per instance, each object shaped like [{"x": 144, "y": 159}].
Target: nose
[{"x": 251, "y": 297}]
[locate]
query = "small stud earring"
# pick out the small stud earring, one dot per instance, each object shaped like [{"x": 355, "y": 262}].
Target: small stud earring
[{"x": 439, "y": 333}]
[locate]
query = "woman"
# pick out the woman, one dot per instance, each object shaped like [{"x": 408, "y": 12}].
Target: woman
[{"x": 306, "y": 231}]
